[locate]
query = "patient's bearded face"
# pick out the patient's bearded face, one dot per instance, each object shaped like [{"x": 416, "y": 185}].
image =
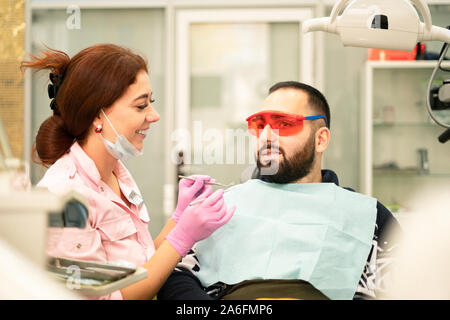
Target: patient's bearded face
[
  {"x": 291, "y": 165},
  {"x": 286, "y": 159}
]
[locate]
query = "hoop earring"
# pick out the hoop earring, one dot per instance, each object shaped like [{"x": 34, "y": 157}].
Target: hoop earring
[{"x": 99, "y": 128}]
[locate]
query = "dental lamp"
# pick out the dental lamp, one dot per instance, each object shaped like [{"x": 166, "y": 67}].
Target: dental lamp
[
  {"x": 387, "y": 24},
  {"x": 384, "y": 24}
]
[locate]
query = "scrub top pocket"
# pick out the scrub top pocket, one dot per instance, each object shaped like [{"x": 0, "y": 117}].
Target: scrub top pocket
[
  {"x": 117, "y": 229},
  {"x": 120, "y": 240},
  {"x": 74, "y": 243}
]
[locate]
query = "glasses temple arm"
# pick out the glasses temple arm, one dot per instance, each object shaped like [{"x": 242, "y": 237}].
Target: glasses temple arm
[{"x": 317, "y": 117}]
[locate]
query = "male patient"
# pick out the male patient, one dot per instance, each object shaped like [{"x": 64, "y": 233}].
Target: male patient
[{"x": 295, "y": 234}]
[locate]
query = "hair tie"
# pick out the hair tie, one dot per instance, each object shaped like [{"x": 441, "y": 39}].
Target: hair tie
[{"x": 53, "y": 87}]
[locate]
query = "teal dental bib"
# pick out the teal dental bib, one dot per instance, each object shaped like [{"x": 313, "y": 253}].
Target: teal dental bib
[{"x": 317, "y": 232}]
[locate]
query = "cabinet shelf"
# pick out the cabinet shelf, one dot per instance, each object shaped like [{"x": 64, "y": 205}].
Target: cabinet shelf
[
  {"x": 413, "y": 173},
  {"x": 404, "y": 124},
  {"x": 399, "y": 85},
  {"x": 406, "y": 64}
]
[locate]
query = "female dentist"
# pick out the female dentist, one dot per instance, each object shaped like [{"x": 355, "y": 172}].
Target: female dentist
[{"x": 102, "y": 113}]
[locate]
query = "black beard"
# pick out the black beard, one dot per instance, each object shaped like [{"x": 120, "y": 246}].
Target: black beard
[{"x": 293, "y": 169}]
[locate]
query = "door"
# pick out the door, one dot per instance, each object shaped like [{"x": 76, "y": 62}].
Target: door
[{"x": 226, "y": 61}]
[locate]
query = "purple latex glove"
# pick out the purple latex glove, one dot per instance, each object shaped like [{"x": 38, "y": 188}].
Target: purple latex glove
[
  {"x": 189, "y": 190},
  {"x": 199, "y": 222}
]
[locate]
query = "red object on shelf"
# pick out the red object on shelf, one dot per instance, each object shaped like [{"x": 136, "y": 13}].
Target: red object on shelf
[{"x": 386, "y": 55}]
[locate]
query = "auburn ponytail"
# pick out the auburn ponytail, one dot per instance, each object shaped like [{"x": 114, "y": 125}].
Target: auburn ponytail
[
  {"x": 92, "y": 79},
  {"x": 52, "y": 139},
  {"x": 54, "y": 60}
]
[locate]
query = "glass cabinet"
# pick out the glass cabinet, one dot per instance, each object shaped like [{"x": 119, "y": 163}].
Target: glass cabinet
[{"x": 402, "y": 158}]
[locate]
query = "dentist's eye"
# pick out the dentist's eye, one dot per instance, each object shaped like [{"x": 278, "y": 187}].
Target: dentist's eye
[
  {"x": 152, "y": 100},
  {"x": 143, "y": 106}
]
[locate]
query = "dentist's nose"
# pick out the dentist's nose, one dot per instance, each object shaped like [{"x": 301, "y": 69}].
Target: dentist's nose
[{"x": 152, "y": 116}]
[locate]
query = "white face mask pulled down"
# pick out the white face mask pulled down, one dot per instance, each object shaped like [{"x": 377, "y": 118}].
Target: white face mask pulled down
[{"x": 122, "y": 149}]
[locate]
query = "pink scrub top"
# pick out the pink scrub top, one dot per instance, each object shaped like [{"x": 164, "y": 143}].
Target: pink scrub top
[{"x": 114, "y": 231}]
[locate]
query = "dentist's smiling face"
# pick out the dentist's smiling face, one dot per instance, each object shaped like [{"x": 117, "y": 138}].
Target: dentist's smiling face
[{"x": 132, "y": 114}]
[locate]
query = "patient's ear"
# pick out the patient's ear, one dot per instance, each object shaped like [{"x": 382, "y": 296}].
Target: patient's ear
[{"x": 322, "y": 139}]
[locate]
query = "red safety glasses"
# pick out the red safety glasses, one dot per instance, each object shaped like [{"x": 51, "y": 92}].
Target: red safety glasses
[{"x": 285, "y": 123}]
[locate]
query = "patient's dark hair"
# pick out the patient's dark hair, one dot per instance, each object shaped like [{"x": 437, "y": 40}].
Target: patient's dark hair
[{"x": 315, "y": 98}]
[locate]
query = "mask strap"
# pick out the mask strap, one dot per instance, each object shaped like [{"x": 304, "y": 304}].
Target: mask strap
[{"x": 109, "y": 122}]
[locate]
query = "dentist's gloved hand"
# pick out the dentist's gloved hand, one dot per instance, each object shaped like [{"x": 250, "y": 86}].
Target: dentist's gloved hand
[
  {"x": 189, "y": 190},
  {"x": 199, "y": 222}
]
